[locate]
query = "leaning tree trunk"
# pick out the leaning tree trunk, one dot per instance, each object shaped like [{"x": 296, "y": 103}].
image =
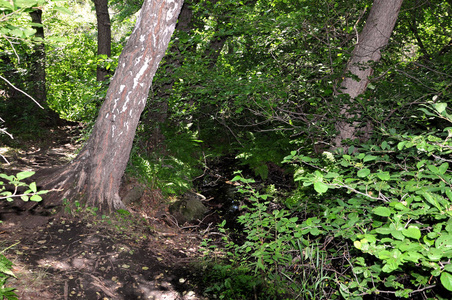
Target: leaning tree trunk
[
  {"x": 94, "y": 176},
  {"x": 374, "y": 36},
  {"x": 103, "y": 35}
]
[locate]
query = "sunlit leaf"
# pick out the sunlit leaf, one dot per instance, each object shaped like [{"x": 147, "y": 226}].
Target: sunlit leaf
[
  {"x": 382, "y": 211},
  {"x": 446, "y": 280}
]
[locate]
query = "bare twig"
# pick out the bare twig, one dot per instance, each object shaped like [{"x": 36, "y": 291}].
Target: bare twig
[{"x": 17, "y": 89}]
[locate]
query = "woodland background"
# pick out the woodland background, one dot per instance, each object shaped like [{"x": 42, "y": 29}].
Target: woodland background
[{"x": 255, "y": 89}]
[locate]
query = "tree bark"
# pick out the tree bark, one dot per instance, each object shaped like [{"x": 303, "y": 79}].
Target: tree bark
[
  {"x": 95, "y": 174},
  {"x": 103, "y": 35},
  {"x": 38, "y": 72},
  {"x": 374, "y": 37},
  {"x": 157, "y": 111}
]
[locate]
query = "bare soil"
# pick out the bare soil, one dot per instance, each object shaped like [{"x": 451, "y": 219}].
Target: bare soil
[{"x": 70, "y": 252}]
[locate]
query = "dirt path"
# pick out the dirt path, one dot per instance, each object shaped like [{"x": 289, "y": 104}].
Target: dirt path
[{"x": 85, "y": 256}]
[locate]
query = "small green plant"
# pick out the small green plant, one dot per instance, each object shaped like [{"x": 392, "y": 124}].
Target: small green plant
[
  {"x": 5, "y": 272},
  {"x": 16, "y": 182},
  {"x": 31, "y": 193}
]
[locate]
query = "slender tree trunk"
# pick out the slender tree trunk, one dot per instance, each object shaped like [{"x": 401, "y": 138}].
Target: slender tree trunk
[
  {"x": 95, "y": 174},
  {"x": 374, "y": 37},
  {"x": 103, "y": 35},
  {"x": 38, "y": 72}
]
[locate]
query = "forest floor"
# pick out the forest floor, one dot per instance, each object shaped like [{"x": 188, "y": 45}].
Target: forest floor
[{"x": 80, "y": 255}]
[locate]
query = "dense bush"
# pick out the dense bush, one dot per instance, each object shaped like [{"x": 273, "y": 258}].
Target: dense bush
[{"x": 375, "y": 220}]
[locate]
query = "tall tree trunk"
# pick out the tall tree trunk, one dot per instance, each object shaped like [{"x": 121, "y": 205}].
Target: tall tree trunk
[
  {"x": 374, "y": 36},
  {"x": 157, "y": 111},
  {"x": 37, "y": 76},
  {"x": 95, "y": 174},
  {"x": 38, "y": 72},
  {"x": 103, "y": 35}
]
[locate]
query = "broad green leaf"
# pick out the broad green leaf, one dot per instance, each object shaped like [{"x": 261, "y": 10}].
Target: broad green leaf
[
  {"x": 384, "y": 176},
  {"x": 433, "y": 169},
  {"x": 357, "y": 244},
  {"x": 398, "y": 234},
  {"x": 36, "y": 198},
  {"x": 448, "y": 268},
  {"x": 320, "y": 187},
  {"x": 33, "y": 187},
  {"x": 401, "y": 145},
  {"x": 369, "y": 158},
  {"x": 412, "y": 232},
  {"x": 444, "y": 241},
  {"x": 440, "y": 107},
  {"x": 23, "y": 175},
  {"x": 7, "y": 177},
  {"x": 382, "y": 211},
  {"x": 363, "y": 173},
  {"x": 446, "y": 280},
  {"x": 412, "y": 256},
  {"x": 443, "y": 168}
]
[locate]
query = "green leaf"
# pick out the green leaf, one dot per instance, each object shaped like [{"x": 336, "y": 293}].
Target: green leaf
[
  {"x": 384, "y": 176},
  {"x": 6, "y": 4},
  {"x": 412, "y": 232},
  {"x": 443, "y": 168},
  {"x": 23, "y": 175},
  {"x": 320, "y": 187},
  {"x": 369, "y": 158},
  {"x": 36, "y": 198},
  {"x": 363, "y": 173},
  {"x": 446, "y": 280},
  {"x": 440, "y": 107},
  {"x": 433, "y": 169},
  {"x": 401, "y": 145},
  {"x": 382, "y": 211},
  {"x": 33, "y": 187}
]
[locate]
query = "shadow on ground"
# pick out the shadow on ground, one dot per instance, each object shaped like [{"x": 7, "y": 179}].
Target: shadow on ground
[{"x": 72, "y": 258}]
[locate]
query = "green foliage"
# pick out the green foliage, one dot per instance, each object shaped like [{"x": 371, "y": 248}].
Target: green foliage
[
  {"x": 259, "y": 149},
  {"x": 171, "y": 167},
  {"x": 393, "y": 202},
  {"x": 277, "y": 248},
  {"x": 31, "y": 193},
  {"x": 5, "y": 272},
  {"x": 229, "y": 282}
]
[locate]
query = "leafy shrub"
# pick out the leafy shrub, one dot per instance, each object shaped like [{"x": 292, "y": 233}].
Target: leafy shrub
[
  {"x": 276, "y": 249},
  {"x": 392, "y": 205}
]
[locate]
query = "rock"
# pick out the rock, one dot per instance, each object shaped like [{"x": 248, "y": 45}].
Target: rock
[{"x": 188, "y": 208}]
